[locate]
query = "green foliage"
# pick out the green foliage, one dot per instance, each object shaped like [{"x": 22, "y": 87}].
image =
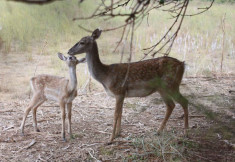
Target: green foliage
[
  {"x": 106, "y": 151},
  {"x": 24, "y": 25},
  {"x": 161, "y": 2},
  {"x": 27, "y": 28}
]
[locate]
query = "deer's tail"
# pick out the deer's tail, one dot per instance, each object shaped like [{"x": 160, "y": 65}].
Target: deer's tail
[{"x": 179, "y": 73}]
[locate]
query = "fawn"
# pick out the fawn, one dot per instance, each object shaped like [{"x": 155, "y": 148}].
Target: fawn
[{"x": 49, "y": 87}]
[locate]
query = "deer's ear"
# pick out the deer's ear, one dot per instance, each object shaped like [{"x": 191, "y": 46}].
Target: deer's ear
[
  {"x": 96, "y": 33},
  {"x": 62, "y": 57},
  {"x": 83, "y": 60}
]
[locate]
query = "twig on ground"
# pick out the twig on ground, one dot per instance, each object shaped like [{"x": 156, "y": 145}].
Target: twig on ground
[
  {"x": 11, "y": 110},
  {"x": 193, "y": 116},
  {"x": 202, "y": 157},
  {"x": 40, "y": 158},
  {"x": 103, "y": 132},
  {"x": 12, "y": 126},
  {"x": 92, "y": 156},
  {"x": 89, "y": 145},
  {"x": 50, "y": 106},
  {"x": 28, "y": 146},
  {"x": 229, "y": 143},
  {"x": 65, "y": 148}
]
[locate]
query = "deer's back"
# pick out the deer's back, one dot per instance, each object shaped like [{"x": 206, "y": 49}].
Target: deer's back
[
  {"x": 146, "y": 70},
  {"x": 144, "y": 77}
]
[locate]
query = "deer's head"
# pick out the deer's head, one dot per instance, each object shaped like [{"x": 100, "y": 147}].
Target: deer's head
[
  {"x": 71, "y": 60},
  {"x": 85, "y": 44}
]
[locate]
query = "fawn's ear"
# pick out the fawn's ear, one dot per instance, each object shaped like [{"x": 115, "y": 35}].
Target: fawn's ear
[
  {"x": 62, "y": 57},
  {"x": 82, "y": 60},
  {"x": 96, "y": 34}
]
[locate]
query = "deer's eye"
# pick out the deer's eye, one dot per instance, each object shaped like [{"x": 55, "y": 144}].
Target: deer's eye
[{"x": 82, "y": 43}]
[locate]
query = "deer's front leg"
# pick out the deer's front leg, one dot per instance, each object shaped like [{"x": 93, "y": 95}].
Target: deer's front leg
[
  {"x": 117, "y": 117},
  {"x": 62, "y": 107},
  {"x": 69, "y": 110},
  {"x": 119, "y": 121}
]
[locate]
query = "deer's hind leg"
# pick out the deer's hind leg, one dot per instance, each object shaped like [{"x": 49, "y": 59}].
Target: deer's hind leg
[
  {"x": 35, "y": 102},
  {"x": 170, "y": 106},
  {"x": 35, "y": 116},
  {"x": 184, "y": 103}
]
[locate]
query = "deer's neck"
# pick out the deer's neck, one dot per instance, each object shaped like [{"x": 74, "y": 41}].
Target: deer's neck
[
  {"x": 95, "y": 66},
  {"x": 73, "y": 78}
]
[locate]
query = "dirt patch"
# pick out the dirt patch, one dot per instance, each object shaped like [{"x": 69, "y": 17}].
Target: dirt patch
[
  {"x": 211, "y": 119},
  {"x": 92, "y": 124},
  {"x": 206, "y": 146}
]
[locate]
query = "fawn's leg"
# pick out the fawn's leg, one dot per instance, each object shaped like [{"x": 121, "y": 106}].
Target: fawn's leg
[
  {"x": 69, "y": 110},
  {"x": 170, "y": 106},
  {"x": 117, "y": 114},
  {"x": 35, "y": 117},
  {"x": 62, "y": 107},
  {"x": 35, "y": 102},
  {"x": 184, "y": 103}
]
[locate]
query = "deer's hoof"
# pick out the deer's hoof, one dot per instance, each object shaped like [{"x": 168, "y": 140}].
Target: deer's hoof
[
  {"x": 159, "y": 132},
  {"x": 186, "y": 133},
  {"x": 118, "y": 134},
  {"x": 111, "y": 140},
  {"x": 37, "y": 130},
  {"x": 109, "y": 143}
]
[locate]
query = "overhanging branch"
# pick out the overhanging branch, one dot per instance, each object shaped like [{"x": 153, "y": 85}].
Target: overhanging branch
[
  {"x": 134, "y": 11},
  {"x": 40, "y": 2}
]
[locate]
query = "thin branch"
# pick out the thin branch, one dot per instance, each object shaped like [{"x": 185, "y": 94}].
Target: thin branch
[
  {"x": 131, "y": 52},
  {"x": 40, "y": 2},
  {"x": 136, "y": 12},
  {"x": 83, "y": 28},
  {"x": 204, "y": 9}
]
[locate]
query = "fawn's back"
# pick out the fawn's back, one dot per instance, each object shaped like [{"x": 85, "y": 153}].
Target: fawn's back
[{"x": 49, "y": 86}]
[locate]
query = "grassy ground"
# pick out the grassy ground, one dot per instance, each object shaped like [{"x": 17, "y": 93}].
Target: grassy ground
[
  {"x": 30, "y": 37},
  {"x": 27, "y": 29},
  {"x": 211, "y": 134}
]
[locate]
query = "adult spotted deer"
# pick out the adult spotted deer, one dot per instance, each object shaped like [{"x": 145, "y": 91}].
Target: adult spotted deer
[
  {"x": 60, "y": 89},
  {"x": 137, "y": 79}
]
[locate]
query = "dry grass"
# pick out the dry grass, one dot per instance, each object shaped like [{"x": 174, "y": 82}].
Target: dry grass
[
  {"x": 199, "y": 43},
  {"x": 92, "y": 124},
  {"x": 93, "y": 116},
  {"x": 211, "y": 96}
]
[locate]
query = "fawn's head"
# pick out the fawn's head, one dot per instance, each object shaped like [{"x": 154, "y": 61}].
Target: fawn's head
[
  {"x": 85, "y": 44},
  {"x": 71, "y": 60}
]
